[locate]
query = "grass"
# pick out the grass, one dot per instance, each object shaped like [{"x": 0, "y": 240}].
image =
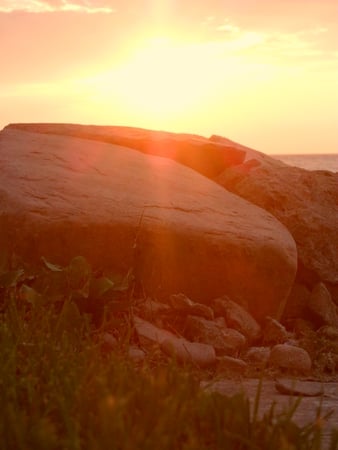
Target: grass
[{"x": 60, "y": 390}]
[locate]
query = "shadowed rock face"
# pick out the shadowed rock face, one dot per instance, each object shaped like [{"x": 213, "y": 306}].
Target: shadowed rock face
[
  {"x": 62, "y": 196},
  {"x": 306, "y": 202},
  {"x": 203, "y": 155}
]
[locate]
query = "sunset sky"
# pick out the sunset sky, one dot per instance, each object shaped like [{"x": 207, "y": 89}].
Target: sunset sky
[{"x": 261, "y": 72}]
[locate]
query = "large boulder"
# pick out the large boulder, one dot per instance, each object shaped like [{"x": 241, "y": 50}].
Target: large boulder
[
  {"x": 306, "y": 202},
  {"x": 180, "y": 232},
  {"x": 201, "y": 154}
]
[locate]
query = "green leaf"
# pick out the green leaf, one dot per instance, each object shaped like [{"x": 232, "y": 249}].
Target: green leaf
[
  {"x": 50, "y": 266},
  {"x": 119, "y": 305},
  {"x": 126, "y": 282},
  {"x": 100, "y": 286},
  {"x": 30, "y": 295},
  {"x": 11, "y": 278},
  {"x": 122, "y": 283},
  {"x": 79, "y": 272}
]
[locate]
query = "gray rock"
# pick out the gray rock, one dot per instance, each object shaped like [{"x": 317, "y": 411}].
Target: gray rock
[
  {"x": 152, "y": 310},
  {"x": 63, "y": 196},
  {"x": 226, "y": 341},
  {"x": 185, "y": 352},
  {"x": 288, "y": 357},
  {"x": 136, "y": 354},
  {"x": 238, "y": 318},
  {"x": 201, "y": 355},
  {"x": 328, "y": 332},
  {"x": 322, "y": 307},
  {"x": 150, "y": 332},
  {"x": 306, "y": 202},
  {"x": 181, "y": 302},
  {"x": 229, "y": 363},
  {"x": 220, "y": 321},
  {"x": 258, "y": 356},
  {"x": 274, "y": 332},
  {"x": 109, "y": 342}
]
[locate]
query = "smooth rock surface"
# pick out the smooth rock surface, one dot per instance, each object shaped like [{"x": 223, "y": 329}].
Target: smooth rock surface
[
  {"x": 306, "y": 202},
  {"x": 62, "y": 196},
  {"x": 201, "y": 154}
]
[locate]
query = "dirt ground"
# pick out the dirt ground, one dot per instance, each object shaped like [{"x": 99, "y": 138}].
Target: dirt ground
[{"x": 322, "y": 395}]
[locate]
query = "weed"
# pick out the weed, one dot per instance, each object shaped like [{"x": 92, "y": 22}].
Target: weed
[{"x": 59, "y": 391}]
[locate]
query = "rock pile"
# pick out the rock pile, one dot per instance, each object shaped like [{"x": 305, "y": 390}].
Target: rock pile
[{"x": 221, "y": 343}]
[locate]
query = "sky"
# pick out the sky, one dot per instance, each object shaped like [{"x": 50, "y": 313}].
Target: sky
[{"x": 263, "y": 73}]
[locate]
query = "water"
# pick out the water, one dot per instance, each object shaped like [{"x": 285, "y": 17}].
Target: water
[{"x": 311, "y": 162}]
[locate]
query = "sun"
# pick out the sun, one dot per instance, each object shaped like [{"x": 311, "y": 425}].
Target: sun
[
  {"x": 161, "y": 82},
  {"x": 162, "y": 78}
]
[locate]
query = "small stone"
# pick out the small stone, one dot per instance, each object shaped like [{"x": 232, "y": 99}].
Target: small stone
[
  {"x": 293, "y": 342},
  {"x": 152, "y": 310},
  {"x": 238, "y": 318},
  {"x": 300, "y": 388},
  {"x": 232, "y": 364},
  {"x": 182, "y": 303},
  {"x": 327, "y": 361},
  {"x": 259, "y": 356},
  {"x": 150, "y": 332},
  {"x": 220, "y": 321},
  {"x": 201, "y": 355},
  {"x": 291, "y": 358},
  {"x": 322, "y": 307},
  {"x": 226, "y": 341},
  {"x": 136, "y": 354},
  {"x": 302, "y": 327},
  {"x": 274, "y": 332},
  {"x": 109, "y": 342},
  {"x": 328, "y": 332}
]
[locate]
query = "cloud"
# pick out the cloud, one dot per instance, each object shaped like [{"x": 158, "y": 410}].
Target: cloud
[
  {"x": 45, "y": 6},
  {"x": 227, "y": 26},
  {"x": 308, "y": 44}
]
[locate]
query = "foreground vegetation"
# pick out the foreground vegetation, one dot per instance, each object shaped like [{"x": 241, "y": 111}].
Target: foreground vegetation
[{"x": 60, "y": 389}]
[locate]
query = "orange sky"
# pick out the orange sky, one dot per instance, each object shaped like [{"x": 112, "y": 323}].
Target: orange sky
[{"x": 261, "y": 72}]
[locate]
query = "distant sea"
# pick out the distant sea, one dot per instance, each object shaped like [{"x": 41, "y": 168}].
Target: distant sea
[{"x": 311, "y": 162}]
